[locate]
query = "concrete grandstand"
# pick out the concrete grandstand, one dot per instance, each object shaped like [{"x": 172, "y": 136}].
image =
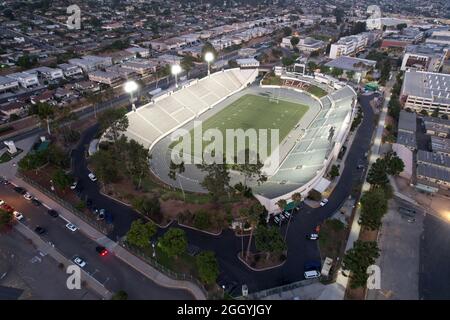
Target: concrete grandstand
[{"x": 305, "y": 154}]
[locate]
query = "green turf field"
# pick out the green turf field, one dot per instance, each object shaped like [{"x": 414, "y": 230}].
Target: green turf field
[{"x": 253, "y": 111}]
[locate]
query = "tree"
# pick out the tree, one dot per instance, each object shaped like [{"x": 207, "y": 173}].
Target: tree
[
  {"x": 339, "y": 14},
  {"x": 137, "y": 159},
  {"x": 358, "y": 259},
  {"x": 312, "y": 66},
  {"x": 296, "y": 197},
  {"x": 336, "y": 72},
  {"x": 350, "y": 74},
  {"x": 187, "y": 63},
  {"x": 26, "y": 61},
  {"x": 148, "y": 206},
  {"x": 294, "y": 41},
  {"x": 252, "y": 216},
  {"x": 394, "y": 165},
  {"x": 401, "y": 26},
  {"x": 202, "y": 219},
  {"x": 287, "y": 61},
  {"x": 216, "y": 180},
  {"x": 139, "y": 234},
  {"x": 105, "y": 166},
  {"x": 373, "y": 207},
  {"x": 61, "y": 180},
  {"x": 174, "y": 242},
  {"x": 377, "y": 173},
  {"x": 207, "y": 266},
  {"x": 281, "y": 204},
  {"x": 115, "y": 119},
  {"x": 287, "y": 31},
  {"x": 45, "y": 113},
  {"x": 6, "y": 219},
  {"x": 120, "y": 295},
  {"x": 251, "y": 167},
  {"x": 334, "y": 172},
  {"x": 269, "y": 240}
]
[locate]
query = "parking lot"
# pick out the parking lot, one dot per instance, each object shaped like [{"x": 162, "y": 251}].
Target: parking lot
[{"x": 399, "y": 243}]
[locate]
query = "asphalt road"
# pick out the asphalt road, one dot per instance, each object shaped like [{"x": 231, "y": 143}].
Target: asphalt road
[
  {"x": 434, "y": 276},
  {"x": 110, "y": 271},
  {"x": 227, "y": 245}
]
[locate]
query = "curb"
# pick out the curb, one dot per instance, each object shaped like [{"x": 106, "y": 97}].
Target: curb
[{"x": 263, "y": 269}]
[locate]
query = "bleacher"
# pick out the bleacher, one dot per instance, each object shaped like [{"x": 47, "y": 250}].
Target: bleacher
[
  {"x": 309, "y": 155},
  {"x": 154, "y": 120}
]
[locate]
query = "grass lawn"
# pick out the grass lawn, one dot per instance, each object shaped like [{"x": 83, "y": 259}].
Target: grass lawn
[
  {"x": 318, "y": 92},
  {"x": 257, "y": 112},
  {"x": 272, "y": 80},
  {"x": 332, "y": 237}
]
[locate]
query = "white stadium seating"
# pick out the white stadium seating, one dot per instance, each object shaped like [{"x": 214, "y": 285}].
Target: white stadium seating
[{"x": 153, "y": 121}]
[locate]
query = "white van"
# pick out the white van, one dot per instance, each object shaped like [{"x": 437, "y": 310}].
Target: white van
[{"x": 311, "y": 274}]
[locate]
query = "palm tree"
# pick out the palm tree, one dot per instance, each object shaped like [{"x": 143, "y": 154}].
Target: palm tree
[
  {"x": 297, "y": 197},
  {"x": 45, "y": 113},
  {"x": 281, "y": 204},
  {"x": 252, "y": 217},
  {"x": 174, "y": 170}
]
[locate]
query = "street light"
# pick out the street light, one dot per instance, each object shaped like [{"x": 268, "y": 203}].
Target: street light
[
  {"x": 130, "y": 87},
  {"x": 176, "y": 69},
  {"x": 209, "y": 57}
]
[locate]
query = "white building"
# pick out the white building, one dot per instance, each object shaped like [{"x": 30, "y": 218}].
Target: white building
[
  {"x": 70, "y": 70},
  {"x": 8, "y": 84},
  {"x": 248, "y": 63},
  {"x": 349, "y": 45},
  {"x": 109, "y": 78},
  {"x": 47, "y": 73},
  {"x": 144, "y": 53},
  {"x": 26, "y": 80},
  {"x": 426, "y": 91},
  {"x": 91, "y": 63}
]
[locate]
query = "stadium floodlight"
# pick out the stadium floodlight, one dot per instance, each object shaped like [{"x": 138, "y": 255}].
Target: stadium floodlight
[
  {"x": 176, "y": 69},
  {"x": 130, "y": 87},
  {"x": 209, "y": 57}
]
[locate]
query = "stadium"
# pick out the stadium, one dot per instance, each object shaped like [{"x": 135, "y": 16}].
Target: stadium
[{"x": 313, "y": 116}]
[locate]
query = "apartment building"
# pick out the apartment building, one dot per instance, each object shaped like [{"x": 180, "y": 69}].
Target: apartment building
[
  {"x": 91, "y": 63},
  {"x": 109, "y": 78},
  {"x": 70, "y": 70},
  {"x": 26, "y": 80},
  {"x": 351, "y": 45},
  {"x": 8, "y": 84},
  {"x": 47, "y": 73}
]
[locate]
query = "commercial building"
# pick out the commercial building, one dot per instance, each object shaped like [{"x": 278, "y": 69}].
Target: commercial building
[
  {"x": 402, "y": 38},
  {"x": 247, "y": 63},
  {"x": 359, "y": 67},
  {"x": 439, "y": 37},
  {"x": 437, "y": 126},
  {"x": 440, "y": 145},
  {"x": 407, "y": 128},
  {"x": 70, "y": 70},
  {"x": 105, "y": 77},
  {"x": 310, "y": 45},
  {"x": 426, "y": 91},
  {"x": 425, "y": 57}
]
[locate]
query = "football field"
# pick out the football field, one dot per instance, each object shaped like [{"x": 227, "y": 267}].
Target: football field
[{"x": 257, "y": 112}]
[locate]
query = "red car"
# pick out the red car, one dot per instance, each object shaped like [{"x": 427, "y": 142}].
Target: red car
[{"x": 7, "y": 207}]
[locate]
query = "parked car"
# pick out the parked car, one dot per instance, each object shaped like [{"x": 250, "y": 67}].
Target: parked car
[
  {"x": 312, "y": 236},
  {"x": 101, "y": 214},
  {"x": 7, "y": 207},
  {"x": 28, "y": 196},
  {"x": 20, "y": 190},
  {"x": 287, "y": 214},
  {"x": 39, "y": 230},
  {"x": 71, "y": 227},
  {"x": 92, "y": 176},
  {"x": 18, "y": 215},
  {"x": 323, "y": 202},
  {"x": 53, "y": 213},
  {"x": 80, "y": 262},
  {"x": 2, "y": 202},
  {"x": 74, "y": 185},
  {"x": 36, "y": 202},
  {"x": 102, "y": 251},
  {"x": 312, "y": 274},
  {"x": 277, "y": 219}
]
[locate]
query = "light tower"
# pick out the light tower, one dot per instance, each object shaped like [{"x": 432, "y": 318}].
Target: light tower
[
  {"x": 130, "y": 87},
  {"x": 176, "y": 69},
  {"x": 209, "y": 57}
]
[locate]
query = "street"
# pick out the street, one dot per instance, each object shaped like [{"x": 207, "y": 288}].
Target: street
[{"x": 108, "y": 270}]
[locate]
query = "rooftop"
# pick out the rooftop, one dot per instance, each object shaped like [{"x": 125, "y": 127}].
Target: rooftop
[
  {"x": 407, "y": 139},
  {"x": 427, "y": 85},
  {"x": 433, "y": 172},
  {"x": 407, "y": 121},
  {"x": 433, "y": 158},
  {"x": 350, "y": 63}
]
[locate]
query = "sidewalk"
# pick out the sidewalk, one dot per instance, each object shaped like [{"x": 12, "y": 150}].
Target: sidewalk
[
  {"x": 45, "y": 249},
  {"x": 336, "y": 291},
  {"x": 9, "y": 170}
]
